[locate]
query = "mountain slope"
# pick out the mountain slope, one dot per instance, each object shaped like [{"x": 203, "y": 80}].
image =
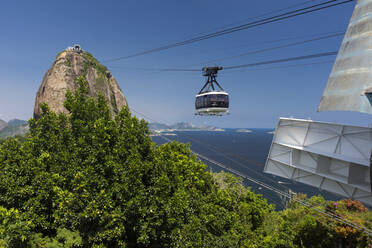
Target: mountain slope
[
  {"x": 3, "y": 124},
  {"x": 16, "y": 122},
  {"x": 13, "y": 127},
  {"x": 70, "y": 64}
]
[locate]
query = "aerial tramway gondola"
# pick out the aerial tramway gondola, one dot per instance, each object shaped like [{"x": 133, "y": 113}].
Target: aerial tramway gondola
[{"x": 211, "y": 101}]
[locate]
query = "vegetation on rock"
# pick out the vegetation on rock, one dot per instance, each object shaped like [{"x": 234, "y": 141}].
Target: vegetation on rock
[
  {"x": 88, "y": 179},
  {"x": 68, "y": 66},
  {"x": 91, "y": 61}
]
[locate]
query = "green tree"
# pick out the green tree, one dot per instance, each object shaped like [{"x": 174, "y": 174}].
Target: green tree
[
  {"x": 300, "y": 226},
  {"x": 90, "y": 179},
  {"x": 93, "y": 180}
]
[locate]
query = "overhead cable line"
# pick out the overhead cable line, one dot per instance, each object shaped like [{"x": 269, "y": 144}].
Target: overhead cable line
[
  {"x": 132, "y": 109},
  {"x": 318, "y": 55},
  {"x": 287, "y": 189},
  {"x": 329, "y": 214},
  {"x": 287, "y": 195},
  {"x": 304, "y": 57},
  {"x": 315, "y": 37},
  {"x": 290, "y": 14},
  {"x": 260, "y": 43},
  {"x": 285, "y": 66},
  {"x": 275, "y": 48},
  {"x": 248, "y": 70},
  {"x": 254, "y": 17},
  {"x": 288, "y": 38},
  {"x": 215, "y": 150},
  {"x": 333, "y": 216}
]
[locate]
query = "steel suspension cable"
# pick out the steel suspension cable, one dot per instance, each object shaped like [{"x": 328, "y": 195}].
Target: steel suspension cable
[
  {"x": 304, "y": 203},
  {"x": 275, "y": 48},
  {"x": 287, "y": 15},
  {"x": 254, "y": 17},
  {"x": 304, "y": 57},
  {"x": 333, "y": 216},
  {"x": 236, "y": 162},
  {"x": 286, "y": 66},
  {"x": 311, "y": 56},
  {"x": 241, "y": 164},
  {"x": 313, "y": 36},
  {"x": 329, "y": 214}
]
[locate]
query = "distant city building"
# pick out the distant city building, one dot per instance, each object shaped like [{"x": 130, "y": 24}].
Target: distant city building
[{"x": 76, "y": 48}]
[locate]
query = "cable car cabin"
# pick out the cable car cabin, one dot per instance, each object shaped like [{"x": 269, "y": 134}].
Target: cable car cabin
[{"x": 212, "y": 103}]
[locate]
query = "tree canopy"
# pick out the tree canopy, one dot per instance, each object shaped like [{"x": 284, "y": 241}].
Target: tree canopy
[
  {"x": 90, "y": 179},
  {"x": 102, "y": 180}
]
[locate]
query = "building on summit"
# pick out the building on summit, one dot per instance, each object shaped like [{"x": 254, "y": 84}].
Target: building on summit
[{"x": 76, "y": 48}]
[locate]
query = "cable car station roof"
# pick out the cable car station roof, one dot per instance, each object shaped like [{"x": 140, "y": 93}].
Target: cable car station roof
[
  {"x": 329, "y": 156},
  {"x": 351, "y": 75}
]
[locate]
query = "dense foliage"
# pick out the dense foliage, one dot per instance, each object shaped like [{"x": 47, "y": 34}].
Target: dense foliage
[
  {"x": 102, "y": 182},
  {"x": 299, "y": 226},
  {"x": 91, "y": 61},
  {"x": 88, "y": 179}
]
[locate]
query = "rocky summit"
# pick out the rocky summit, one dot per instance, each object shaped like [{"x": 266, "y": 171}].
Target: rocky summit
[{"x": 70, "y": 64}]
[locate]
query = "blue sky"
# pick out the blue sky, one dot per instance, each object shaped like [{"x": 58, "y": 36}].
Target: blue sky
[{"x": 33, "y": 32}]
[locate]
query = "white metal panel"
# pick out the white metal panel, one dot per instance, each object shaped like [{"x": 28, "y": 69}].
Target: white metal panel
[
  {"x": 282, "y": 154},
  {"x": 334, "y": 140},
  {"x": 279, "y": 169},
  {"x": 329, "y": 156},
  {"x": 339, "y": 169},
  {"x": 322, "y": 137},
  {"x": 304, "y": 160},
  {"x": 308, "y": 178},
  {"x": 337, "y": 187},
  {"x": 295, "y": 136},
  {"x": 359, "y": 141}
]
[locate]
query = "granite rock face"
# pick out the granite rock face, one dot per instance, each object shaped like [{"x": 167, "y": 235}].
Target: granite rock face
[{"x": 62, "y": 75}]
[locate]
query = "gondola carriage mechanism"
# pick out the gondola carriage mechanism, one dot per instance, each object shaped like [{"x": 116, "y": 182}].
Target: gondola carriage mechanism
[{"x": 211, "y": 99}]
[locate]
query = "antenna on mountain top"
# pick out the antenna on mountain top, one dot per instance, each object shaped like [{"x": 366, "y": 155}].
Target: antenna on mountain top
[{"x": 76, "y": 48}]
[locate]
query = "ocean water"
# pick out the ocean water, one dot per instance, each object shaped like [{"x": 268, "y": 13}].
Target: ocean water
[{"x": 244, "y": 152}]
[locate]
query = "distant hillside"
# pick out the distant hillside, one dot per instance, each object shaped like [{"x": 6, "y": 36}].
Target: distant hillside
[
  {"x": 20, "y": 127},
  {"x": 184, "y": 125},
  {"x": 16, "y": 122},
  {"x": 3, "y": 124},
  {"x": 158, "y": 126},
  {"x": 181, "y": 126},
  {"x": 13, "y": 127}
]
